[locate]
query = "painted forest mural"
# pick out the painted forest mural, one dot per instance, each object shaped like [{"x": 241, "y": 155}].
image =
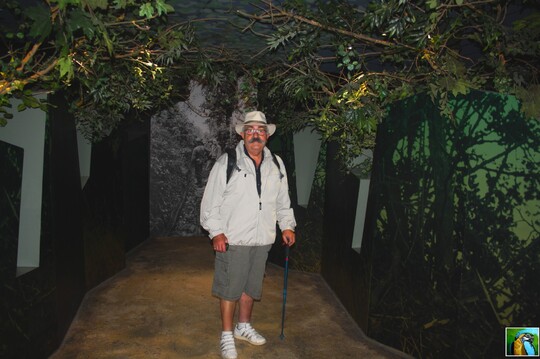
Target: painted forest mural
[
  {"x": 186, "y": 139},
  {"x": 454, "y": 226}
]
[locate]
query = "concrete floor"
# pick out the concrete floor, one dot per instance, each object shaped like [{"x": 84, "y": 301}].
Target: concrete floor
[{"x": 160, "y": 306}]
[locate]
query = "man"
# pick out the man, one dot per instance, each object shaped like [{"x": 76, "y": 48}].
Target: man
[{"x": 240, "y": 216}]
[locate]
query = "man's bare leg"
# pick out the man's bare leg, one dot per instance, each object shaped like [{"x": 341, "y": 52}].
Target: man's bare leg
[
  {"x": 227, "y": 314},
  {"x": 246, "y": 307},
  {"x": 228, "y": 349},
  {"x": 244, "y": 330}
]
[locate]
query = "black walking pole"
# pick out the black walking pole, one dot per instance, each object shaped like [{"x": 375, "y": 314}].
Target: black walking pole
[{"x": 282, "y": 336}]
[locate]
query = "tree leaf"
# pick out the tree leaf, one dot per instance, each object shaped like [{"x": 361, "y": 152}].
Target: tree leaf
[
  {"x": 146, "y": 10},
  {"x": 79, "y": 19},
  {"x": 432, "y": 4},
  {"x": 163, "y": 8},
  {"x": 65, "y": 67},
  {"x": 460, "y": 87},
  {"x": 31, "y": 101},
  {"x": 41, "y": 26}
]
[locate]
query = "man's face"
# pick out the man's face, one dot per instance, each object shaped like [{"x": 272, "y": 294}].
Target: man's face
[{"x": 255, "y": 138}]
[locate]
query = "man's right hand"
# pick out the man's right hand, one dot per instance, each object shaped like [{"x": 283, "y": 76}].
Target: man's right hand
[{"x": 220, "y": 243}]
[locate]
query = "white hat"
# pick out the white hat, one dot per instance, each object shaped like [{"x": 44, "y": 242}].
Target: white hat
[{"x": 256, "y": 117}]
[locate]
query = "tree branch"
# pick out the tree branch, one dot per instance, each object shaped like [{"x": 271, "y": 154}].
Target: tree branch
[
  {"x": 6, "y": 87},
  {"x": 282, "y": 13},
  {"x": 29, "y": 56}
]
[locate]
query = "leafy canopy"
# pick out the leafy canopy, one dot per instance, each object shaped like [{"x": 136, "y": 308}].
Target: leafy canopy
[
  {"x": 346, "y": 63},
  {"x": 335, "y": 64},
  {"x": 112, "y": 58}
]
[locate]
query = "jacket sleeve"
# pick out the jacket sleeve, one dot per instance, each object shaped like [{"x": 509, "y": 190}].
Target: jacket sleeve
[
  {"x": 285, "y": 214},
  {"x": 212, "y": 199}
]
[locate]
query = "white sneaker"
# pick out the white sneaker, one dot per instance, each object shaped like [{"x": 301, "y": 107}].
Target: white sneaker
[
  {"x": 228, "y": 349},
  {"x": 249, "y": 334}
]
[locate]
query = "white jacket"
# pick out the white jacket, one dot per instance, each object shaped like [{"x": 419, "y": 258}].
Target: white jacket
[{"x": 235, "y": 208}]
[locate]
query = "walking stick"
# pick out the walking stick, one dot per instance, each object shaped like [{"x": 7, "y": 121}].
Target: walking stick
[{"x": 282, "y": 336}]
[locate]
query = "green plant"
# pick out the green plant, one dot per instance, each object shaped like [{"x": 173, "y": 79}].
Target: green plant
[
  {"x": 334, "y": 64},
  {"x": 110, "y": 58},
  {"x": 346, "y": 64}
]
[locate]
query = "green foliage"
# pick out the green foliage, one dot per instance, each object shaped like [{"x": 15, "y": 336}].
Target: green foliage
[
  {"x": 284, "y": 35},
  {"x": 41, "y": 24},
  {"x": 348, "y": 58},
  {"x": 371, "y": 57},
  {"x": 343, "y": 65},
  {"x": 110, "y": 58}
]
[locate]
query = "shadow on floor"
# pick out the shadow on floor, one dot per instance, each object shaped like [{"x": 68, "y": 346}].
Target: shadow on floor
[{"x": 160, "y": 306}]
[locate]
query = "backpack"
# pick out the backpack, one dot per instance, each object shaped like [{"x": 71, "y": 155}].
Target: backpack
[{"x": 231, "y": 163}]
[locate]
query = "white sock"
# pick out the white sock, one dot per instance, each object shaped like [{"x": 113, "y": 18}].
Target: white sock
[
  {"x": 242, "y": 325},
  {"x": 226, "y": 334}
]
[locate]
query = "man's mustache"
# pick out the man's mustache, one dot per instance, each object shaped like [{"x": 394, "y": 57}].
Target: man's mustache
[{"x": 256, "y": 139}]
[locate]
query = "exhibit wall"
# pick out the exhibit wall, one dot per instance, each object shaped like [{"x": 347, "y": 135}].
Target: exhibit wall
[
  {"x": 186, "y": 140},
  {"x": 453, "y": 225}
]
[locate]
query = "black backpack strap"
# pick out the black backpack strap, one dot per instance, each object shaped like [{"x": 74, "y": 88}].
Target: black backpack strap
[
  {"x": 277, "y": 164},
  {"x": 231, "y": 162}
]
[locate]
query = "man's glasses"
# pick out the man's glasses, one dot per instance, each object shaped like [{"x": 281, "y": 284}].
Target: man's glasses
[{"x": 259, "y": 131}]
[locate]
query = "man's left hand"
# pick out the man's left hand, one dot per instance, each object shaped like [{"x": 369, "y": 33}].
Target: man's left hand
[{"x": 289, "y": 237}]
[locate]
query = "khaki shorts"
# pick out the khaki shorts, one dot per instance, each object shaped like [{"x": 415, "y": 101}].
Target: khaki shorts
[{"x": 240, "y": 270}]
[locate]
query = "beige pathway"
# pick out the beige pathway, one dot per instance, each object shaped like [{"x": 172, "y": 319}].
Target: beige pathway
[{"x": 160, "y": 306}]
